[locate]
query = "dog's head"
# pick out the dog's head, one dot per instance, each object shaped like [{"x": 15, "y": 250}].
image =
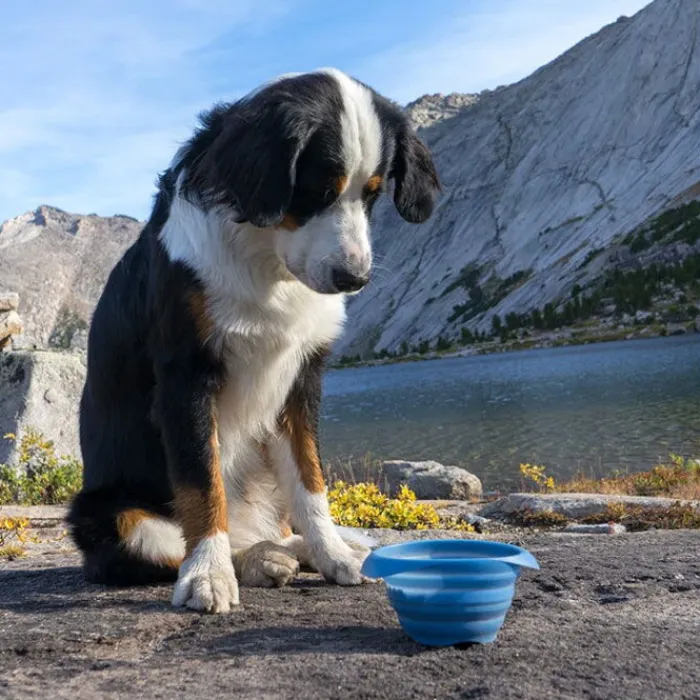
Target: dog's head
[{"x": 306, "y": 157}]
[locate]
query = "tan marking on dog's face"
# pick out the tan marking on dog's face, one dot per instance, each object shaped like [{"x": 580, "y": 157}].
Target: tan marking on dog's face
[
  {"x": 199, "y": 308},
  {"x": 340, "y": 184},
  {"x": 203, "y": 513},
  {"x": 289, "y": 222},
  {"x": 295, "y": 424},
  {"x": 374, "y": 183}
]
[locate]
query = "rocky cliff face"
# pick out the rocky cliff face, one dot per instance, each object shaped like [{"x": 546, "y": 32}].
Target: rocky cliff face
[
  {"x": 59, "y": 262},
  {"x": 538, "y": 177}
]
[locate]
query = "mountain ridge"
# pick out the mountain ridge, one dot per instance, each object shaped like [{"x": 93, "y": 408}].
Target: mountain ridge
[
  {"x": 539, "y": 177},
  {"x": 539, "y": 174}
]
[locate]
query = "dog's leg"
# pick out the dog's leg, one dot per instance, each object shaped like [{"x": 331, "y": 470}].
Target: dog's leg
[
  {"x": 188, "y": 420},
  {"x": 257, "y": 520},
  {"x": 294, "y": 453},
  {"x": 320, "y": 546}
]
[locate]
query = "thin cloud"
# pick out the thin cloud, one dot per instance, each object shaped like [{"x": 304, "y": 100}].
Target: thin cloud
[
  {"x": 490, "y": 44},
  {"x": 97, "y": 97}
]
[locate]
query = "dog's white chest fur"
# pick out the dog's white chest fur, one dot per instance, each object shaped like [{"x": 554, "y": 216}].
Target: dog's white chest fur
[
  {"x": 263, "y": 350},
  {"x": 265, "y": 323}
]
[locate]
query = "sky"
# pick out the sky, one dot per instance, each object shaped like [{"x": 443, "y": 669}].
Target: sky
[{"x": 96, "y": 96}]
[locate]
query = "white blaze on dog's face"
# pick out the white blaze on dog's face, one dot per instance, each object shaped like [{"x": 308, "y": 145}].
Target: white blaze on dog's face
[
  {"x": 331, "y": 250},
  {"x": 305, "y": 157}
]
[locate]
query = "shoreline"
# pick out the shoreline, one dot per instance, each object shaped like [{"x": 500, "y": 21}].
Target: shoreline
[
  {"x": 506, "y": 514},
  {"x": 495, "y": 347}
]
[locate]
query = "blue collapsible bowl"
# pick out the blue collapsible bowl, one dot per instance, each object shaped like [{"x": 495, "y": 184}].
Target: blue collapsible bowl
[{"x": 449, "y": 592}]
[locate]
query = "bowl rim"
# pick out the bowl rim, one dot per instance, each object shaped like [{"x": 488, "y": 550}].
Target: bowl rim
[{"x": 383, "y": 561}]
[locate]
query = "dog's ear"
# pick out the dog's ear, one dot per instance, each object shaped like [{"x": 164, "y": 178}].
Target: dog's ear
[
  {"x": 251, "y": 164},
  {"x": 416, "y": 180}
]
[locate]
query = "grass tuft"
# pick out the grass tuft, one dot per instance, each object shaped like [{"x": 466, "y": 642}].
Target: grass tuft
[
  {"x": 13, "y": 536},
  {"x": 527, "y": 517},
  {"x": 678, "y": 516},
  {"x": 678, "y": 478}
]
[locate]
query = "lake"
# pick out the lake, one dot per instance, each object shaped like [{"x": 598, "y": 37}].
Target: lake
[{"x": 594, "y": 408}]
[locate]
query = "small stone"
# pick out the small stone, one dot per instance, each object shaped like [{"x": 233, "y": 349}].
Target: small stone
[
  {"x": 474, "y": 519},
  {"x": 11, "y": 324},
  {"x": 598, "y": 529},
  {"x": 9, "y": 301},
  {"x": 100, "y": 665}
]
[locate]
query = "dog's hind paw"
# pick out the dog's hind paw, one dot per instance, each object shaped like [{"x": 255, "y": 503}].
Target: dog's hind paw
[{"x": 266, "y": 565}]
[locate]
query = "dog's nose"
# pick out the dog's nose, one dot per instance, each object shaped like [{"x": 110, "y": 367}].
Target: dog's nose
[{"x": 346, "y": 281}]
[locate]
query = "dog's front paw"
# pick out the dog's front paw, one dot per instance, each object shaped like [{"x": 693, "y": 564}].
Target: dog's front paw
[
  {"x": 266, "y": 564},
  {"x": 342, "y": 565},
  {"x": 207, "y": 580},
  {"x": 363, "y": 549}
]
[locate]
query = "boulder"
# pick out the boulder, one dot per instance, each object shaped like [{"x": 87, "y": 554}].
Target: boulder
[
  {"x": 41, "y": 391},
  {"x": 431, "y": 480},
  {"x": 675, "y": 329},
  {"x": 643, "y": 316}
]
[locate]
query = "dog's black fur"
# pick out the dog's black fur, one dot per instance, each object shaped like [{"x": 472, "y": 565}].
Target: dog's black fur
[{"x": 145, "y": 407}]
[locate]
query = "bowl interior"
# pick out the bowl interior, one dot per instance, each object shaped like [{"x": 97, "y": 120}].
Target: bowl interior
[
  {"x": 451, "y": 549},
  {"x": 447, "y": 556}
]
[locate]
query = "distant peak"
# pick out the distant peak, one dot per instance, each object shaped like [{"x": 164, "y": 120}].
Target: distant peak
[{"x": 430, "y": 109}]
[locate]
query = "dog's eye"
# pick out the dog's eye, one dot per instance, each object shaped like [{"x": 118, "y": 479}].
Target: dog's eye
[
  {"x": 373, "y": 188},
  {"x": 329, "y": 196},
  {"x": 371, "y": 192}
]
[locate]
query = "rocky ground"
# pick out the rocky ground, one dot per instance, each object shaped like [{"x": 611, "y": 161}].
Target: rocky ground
[{"x": 606, "y": 617}]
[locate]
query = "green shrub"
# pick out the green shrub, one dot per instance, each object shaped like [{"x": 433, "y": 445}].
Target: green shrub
[
  {"x": 466, "y": 337},
  {"x": 42, "y": 477},
  {"x": 364, "y": 505},
  {"x": 443, "y": 344}
]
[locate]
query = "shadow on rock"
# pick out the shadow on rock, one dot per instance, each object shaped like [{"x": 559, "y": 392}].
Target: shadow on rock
[
  {"x": 317, "y": 640},
  {"x": 62, "y": 588}
]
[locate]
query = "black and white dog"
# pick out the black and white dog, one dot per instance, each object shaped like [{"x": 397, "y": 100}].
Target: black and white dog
[{"x": 198, "y": 420}]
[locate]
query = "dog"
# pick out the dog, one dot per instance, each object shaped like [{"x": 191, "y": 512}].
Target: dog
[{"x": 200, "y": 409}]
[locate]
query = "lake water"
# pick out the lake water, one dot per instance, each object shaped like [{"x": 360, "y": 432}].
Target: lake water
[{"x": 595, "y": 408}]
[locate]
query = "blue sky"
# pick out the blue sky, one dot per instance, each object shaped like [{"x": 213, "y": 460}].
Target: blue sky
[{"x": 97, "y": 96}]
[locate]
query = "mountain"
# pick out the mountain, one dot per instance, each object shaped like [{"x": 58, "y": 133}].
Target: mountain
[
  {"x": 548, "y": 184},
  {"x": 58, "y": 263},
  {"x": 539, "y": 177}
]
